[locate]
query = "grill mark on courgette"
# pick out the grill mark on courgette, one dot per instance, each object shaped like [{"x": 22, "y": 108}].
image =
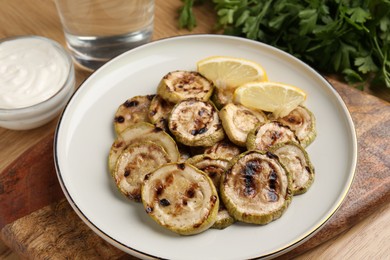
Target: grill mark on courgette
[
  {"x": 157, "y": 129},
  {"x": 271, "y": 155},
  {"x": 164, "y": 202},
  {"x": 252, "y": 168},
  {"x": 273, "y": 184},
  {"x": 119, "y": 119},
  {"x": 150, "y": 97},
  {"x": 132, "y": 103},
  {"x": 199, "y": 131},
  {"x": 181, "y": 166},
  {"x": 212, "y": 170},
  {"x": 293, "y": 119},
  {"x": 149, "y": 209}
]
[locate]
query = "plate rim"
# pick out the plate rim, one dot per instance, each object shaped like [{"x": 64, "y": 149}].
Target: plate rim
[{"x": 277, "y": 252}]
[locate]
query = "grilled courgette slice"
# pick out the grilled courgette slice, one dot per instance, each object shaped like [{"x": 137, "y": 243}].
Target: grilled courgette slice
[
  {"x": 195, "y": 123},
  {"x": 142, "y": 132},
  {"x": 224, "y": 149},
  {"x": 214, "y": 167},
  {"x": 134, "y": 163},
  {"x": 224, "y": 219},
  {"x": 180, "y": 198},
  {"x": 132, "y": 111},
  {"x": 238, "y": 121},
  {"x": 222, "y": 97},
  {"x": 302, "y": 121},
  {"x": 267, "y": 134},
  {"x": 257, "y": 188},
  {"x": 159, "y": 110},
  {"x": 179, "y": 85},
  {"x": 297, "y": 162}
]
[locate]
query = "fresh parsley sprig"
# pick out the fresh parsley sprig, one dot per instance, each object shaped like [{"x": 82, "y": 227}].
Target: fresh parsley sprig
[{"x": 349, "y": 37}]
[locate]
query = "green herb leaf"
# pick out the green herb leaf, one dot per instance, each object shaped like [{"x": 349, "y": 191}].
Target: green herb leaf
[
  {"x": 365, "y": 64},
  {"x": 308, "y": 21},
  {"x": 186, "y": 16},
  {"x": 351, "y": 37}
]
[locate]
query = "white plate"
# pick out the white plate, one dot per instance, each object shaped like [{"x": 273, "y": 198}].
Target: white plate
[{"x": 85, "y": 134}]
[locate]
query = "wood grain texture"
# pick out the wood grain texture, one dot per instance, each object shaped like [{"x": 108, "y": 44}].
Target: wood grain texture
[
  {"x": 48, "y": 233},
  {"x": 372, "y": 240},
  {"x": 29, "y": 183},
  {"x": 21, "y": 17}
]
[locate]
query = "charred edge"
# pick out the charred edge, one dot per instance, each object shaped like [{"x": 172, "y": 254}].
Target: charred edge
[
  {"x": 218, "y": 127},
  {"x": 224, "y": 143},
  {"x": 147, "y": 177},
  {"x": 181, "y": 166},
  {"x": 131, "y": 103},
  {"x": 191, "y": 101},
  {"x": 157, "y": 129},
  {"x": 119, "y": 119},
  {"x": 228, "y": 172},
  {"x": 208, "y": 157},
  {"x": 119, "y": 144},
  {"x": 212, "y": 170},
  {"x": 136, "y": 196},
  {"x": 163, "y": 121},
  {"x": 271, "y": 155},
  {"x": 153, "y": 112},
  {"x": 225, "y": 178},
  {"x": 164, "y": 104},
  {"x": 199, "y": 131},
  {"x": 195, "y": 73},
  {"x": 197, "y": 225},
  {"x": 212, "y": 174},
  {"x": 167, "y": 76},
  {"x": 280, "y": 124},
  {"x": 149, "y": 209},
  {"x": 150, "y": 97},
  {"x": 174, "y": 126}
]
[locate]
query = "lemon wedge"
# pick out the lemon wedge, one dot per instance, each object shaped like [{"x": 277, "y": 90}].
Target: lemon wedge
[
  {"x": 278, "y": 98},
  {"x": 229, "y": 72}
]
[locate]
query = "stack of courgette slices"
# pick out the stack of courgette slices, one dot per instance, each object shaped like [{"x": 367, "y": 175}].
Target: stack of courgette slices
[{"x": 196, "y": 167}]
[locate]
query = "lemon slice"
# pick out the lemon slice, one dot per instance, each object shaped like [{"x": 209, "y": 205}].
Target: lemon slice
[
  {"x": 228, "y": 72},
  {"x": 278, "y": 98}
]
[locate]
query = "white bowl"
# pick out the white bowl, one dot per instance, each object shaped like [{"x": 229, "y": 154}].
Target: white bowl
[{"x": 40, "y": 113}]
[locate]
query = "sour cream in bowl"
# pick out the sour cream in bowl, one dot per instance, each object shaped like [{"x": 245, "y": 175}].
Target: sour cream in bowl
[{"x": 37, "y": 79}]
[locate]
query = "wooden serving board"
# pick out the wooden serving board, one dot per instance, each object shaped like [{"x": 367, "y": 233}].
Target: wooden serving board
[{"x": 36, "y": 220}]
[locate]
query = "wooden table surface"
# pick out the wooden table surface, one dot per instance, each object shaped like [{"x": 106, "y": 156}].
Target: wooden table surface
[{"x": 369, "y": 239}]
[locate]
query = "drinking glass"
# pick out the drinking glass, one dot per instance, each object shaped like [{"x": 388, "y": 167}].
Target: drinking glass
[{"x": 98, "y": 30}]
